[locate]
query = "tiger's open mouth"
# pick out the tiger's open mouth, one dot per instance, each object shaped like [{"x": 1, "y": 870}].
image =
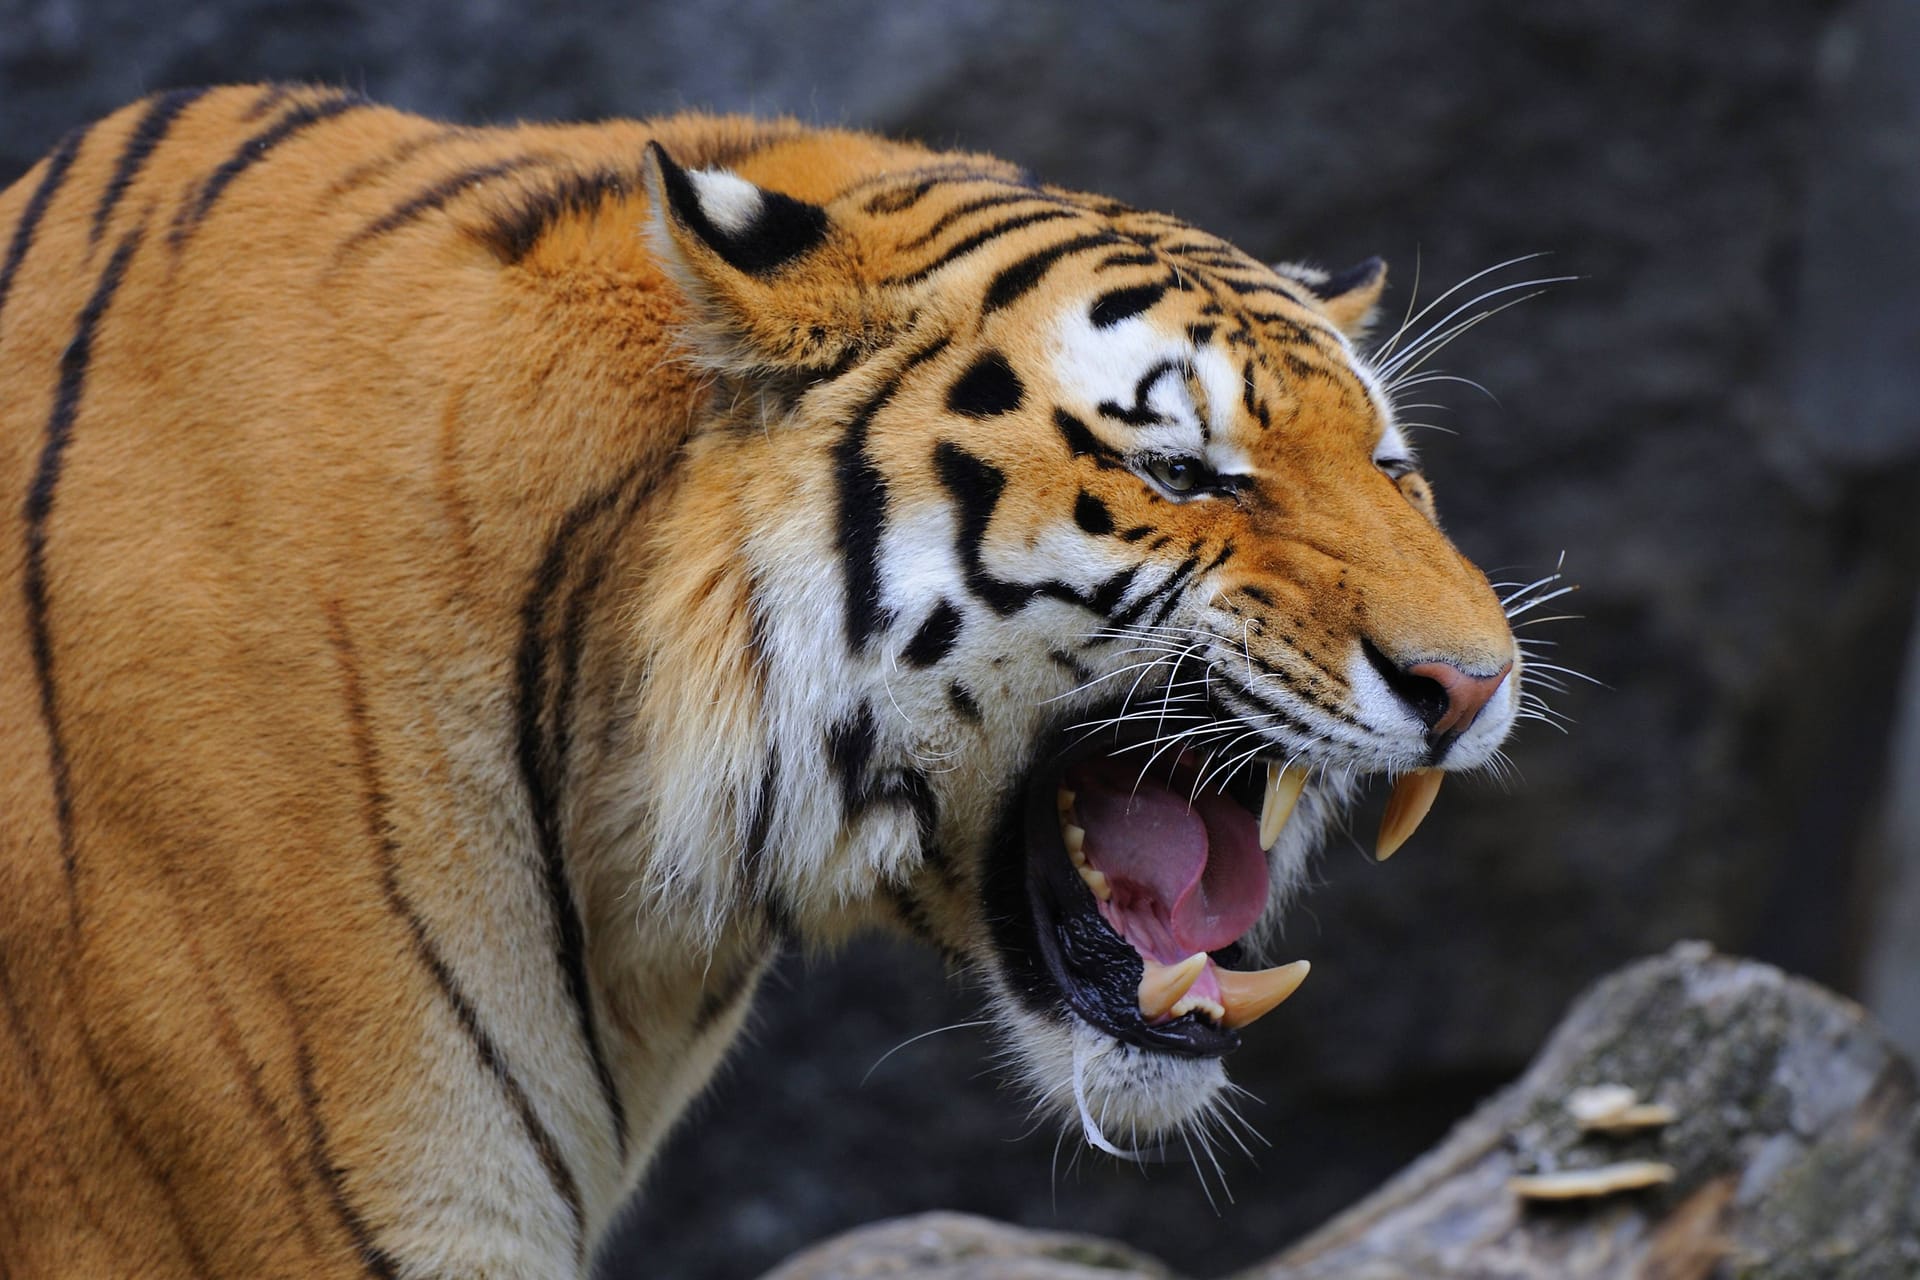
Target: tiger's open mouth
[{"x": 1142, "y": 873}]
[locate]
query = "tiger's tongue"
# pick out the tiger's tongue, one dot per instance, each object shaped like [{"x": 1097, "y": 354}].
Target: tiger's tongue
[{"x": 1187, "y": 874}]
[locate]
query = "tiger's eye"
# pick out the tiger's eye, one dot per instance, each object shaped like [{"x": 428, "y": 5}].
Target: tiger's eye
[{"x": 1176, "y": 475}]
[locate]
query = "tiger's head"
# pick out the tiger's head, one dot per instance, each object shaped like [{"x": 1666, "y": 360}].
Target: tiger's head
[{"x": 1087, "y": 574}]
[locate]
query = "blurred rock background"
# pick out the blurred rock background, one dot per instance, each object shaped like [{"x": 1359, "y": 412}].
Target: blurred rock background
[{"x": 1718, "y": 424}]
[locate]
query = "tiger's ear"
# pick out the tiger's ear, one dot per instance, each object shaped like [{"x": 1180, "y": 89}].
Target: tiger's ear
[
  {"x": 1348, "y": 297},
  {"x": 775, "y": 287}
]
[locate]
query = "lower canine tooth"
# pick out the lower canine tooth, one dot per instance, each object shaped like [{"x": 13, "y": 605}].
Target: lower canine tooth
[
  {"x": 1163, "y": 985},
  {"x": 1187, "y": 1004},
  {"x": 1411, "y": 799},
  {"x": 1253, "y": 995},
  {"x": 1283, "y": 792}
]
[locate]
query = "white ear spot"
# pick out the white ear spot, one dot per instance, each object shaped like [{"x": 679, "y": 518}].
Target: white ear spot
[{"x": 731, "y": 203}]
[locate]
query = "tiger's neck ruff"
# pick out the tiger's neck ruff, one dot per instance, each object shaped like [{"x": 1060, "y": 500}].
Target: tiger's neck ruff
[{"x": 481, "y": 592}]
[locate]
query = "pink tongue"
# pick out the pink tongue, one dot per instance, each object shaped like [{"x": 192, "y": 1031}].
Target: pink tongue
[{"x": 1187, "y": 876}]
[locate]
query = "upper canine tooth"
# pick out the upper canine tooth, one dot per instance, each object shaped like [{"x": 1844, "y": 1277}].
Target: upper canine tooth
[
  {"x": 1411, "y": 799},
  {"x": 1162, "y": 985},
  {"x": 1251, "y": 995},
  {"x": 1283, "y": 792}
]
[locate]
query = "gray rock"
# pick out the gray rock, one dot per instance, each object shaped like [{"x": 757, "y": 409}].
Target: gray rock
[
  {"x": 955, "y": 1246},
  {"x": 1793, "y": 1154}
]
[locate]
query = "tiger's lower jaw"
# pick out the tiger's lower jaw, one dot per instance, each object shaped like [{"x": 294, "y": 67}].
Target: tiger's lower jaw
[{"x": 1119, "y": 892}]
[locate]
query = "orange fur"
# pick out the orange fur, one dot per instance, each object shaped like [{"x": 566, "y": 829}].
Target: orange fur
[{"x": 366, "y": 522}]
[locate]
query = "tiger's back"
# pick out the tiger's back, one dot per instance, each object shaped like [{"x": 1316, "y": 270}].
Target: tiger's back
[{"x": 269, "y": 404}]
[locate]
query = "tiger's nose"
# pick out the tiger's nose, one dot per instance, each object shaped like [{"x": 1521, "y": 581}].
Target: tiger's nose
[{"x": 1453, "y": 699}]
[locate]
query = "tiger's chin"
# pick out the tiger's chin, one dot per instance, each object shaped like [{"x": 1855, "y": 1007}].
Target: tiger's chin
[
  {"x": 1124, "y": 1099},
  {"x": 1127, "y": 892}
]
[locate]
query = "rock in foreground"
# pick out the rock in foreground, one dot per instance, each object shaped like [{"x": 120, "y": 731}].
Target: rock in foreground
[{"x": 1794, "y": 1145}]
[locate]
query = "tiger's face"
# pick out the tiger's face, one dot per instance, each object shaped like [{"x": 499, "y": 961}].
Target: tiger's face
[{"x": 1130, "y": 578}]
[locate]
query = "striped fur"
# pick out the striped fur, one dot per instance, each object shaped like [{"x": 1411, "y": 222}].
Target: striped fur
[{"x": 477, "y": 593}]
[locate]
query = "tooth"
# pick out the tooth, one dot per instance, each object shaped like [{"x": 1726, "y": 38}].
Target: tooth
[
  {"x": 1076, "y": 838},
  {"x": 1163, "y": 985},
  {"x": 1097, "y": 881},
  {"x": 1412, "y": 797},
  {"x": 1283, "y": 792},
  {"x": 1187, "y": 1004},
  {"x": 1064, "y": 798},
  {"x": 1251, "y": 995}
]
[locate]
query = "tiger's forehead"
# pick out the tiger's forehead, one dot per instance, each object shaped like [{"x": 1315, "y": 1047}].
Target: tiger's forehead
[
  {"x": 1172, "y": 334},
  {"x": 1182, "y": 355}
]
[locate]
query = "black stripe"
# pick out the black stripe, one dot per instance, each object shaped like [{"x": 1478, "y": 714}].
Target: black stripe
[
  {"x": 39, "y": 506},
  {"x": 1140, "y": 413},
  {"x": 753, "y": 857},
  {"x": 850, "y": 746},
  {"x": 155, "y": 1169},
  {"x": 1082, "y": 443},
  {"x": 253, "y": 151},
  {"x": 1167, "y": 607},
  {"x": 1306, "y": 692},
  {"x": 967, "y": 207},
  {"x": 944, "y": 173},
  {"x": 1116, "y": 305},
  {"x": 1126, "y": 258},
  {"x": 900, "y": 199},
  {"x": 436, "y": 197},
  {"x": 1079, "y": 670},
  {"x": 376, "y": 1260},
  {"x": 1092, "y": 515},
  {"x": 380, "y": 828},
  {"x": 146, "y": 137},
  {"x": 1255, "y": 706},
  {"x": 1246, "y": 288},
  {"x": 978, "y": 238},
  {"x": 56, "y": 173},
  {"x": 861, "y": 495},
  {"x": 963, "y": 701},
  {"x": 515, "y": 232},
  {"x": 987, "y": 389},
  {"x": 913, "y": 916},
  {"x": 1015, "y": 280},
  {"x": 272, "y": 96},
  {"x": 976, "y": 486},
  {"x": 1107, "y": 596},
  {"x": 539, "y": 771},
  {"x": 935, "y": 638},
  {"x": 1250, "y": 397},
  {"x": 732, "y": 988},
  {"x": 916, "y": 789},
  {"x": 1293, "y": 329},
  {"x": 402, "y": 151},
  {"x": 1167, "y": 593},
  {"x": 1256, "y": 594}
]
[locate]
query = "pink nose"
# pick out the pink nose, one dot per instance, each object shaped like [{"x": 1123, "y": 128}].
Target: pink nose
[{"x": 1465, "y": 695}]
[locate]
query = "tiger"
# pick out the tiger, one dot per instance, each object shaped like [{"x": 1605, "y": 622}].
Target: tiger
[{"x": 476, "y": 595}]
